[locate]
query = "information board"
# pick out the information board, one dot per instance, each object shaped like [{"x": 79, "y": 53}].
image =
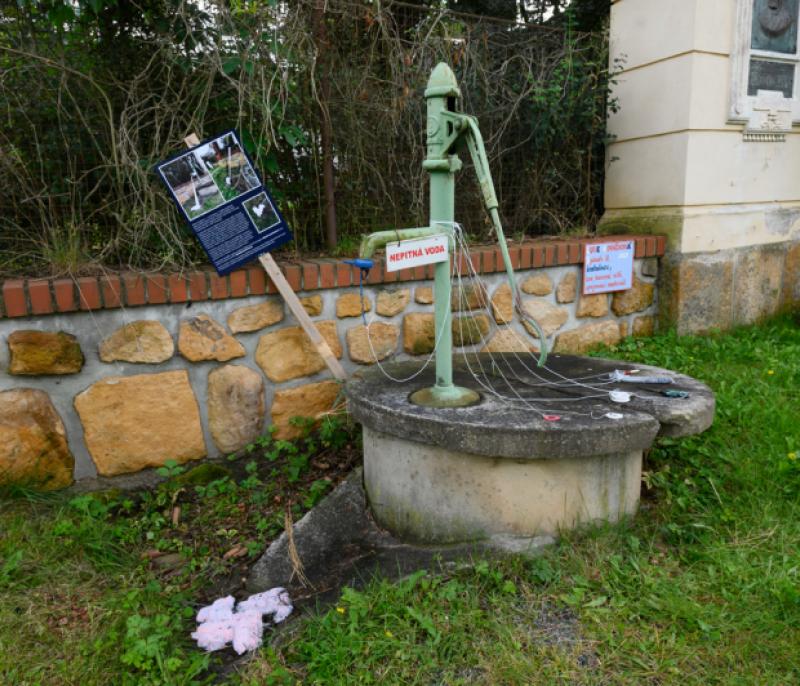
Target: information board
[
  {"x": 229, "y": 209},
  {"x": 416, "y": 252},
  {"x": 608, "y": 267}
]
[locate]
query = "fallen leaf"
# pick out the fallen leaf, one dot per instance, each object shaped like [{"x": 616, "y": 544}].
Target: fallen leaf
[{"x": 236, "y": 551}]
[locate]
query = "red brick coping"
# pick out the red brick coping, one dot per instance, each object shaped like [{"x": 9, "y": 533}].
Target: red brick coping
[{"x": 23, "y": 297}]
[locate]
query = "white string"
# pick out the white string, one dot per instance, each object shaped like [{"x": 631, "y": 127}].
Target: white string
[
  {"x": 565, "y": 381},
  {"x": 367, "y": 324},
  {"x": 482, "y": 292},
  {"x": 482, "y": 377},
  {"x": 543, "y": 382}
]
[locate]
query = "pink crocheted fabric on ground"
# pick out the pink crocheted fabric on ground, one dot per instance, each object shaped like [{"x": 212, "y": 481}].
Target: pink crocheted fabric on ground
[{"x": 219, "y": 624}]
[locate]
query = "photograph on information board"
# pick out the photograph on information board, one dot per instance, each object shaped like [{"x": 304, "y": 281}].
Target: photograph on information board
[{"x": 216, "y": 187}]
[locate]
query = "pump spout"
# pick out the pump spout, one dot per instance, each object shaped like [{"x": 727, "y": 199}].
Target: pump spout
[{"x": 376, "y": 241}]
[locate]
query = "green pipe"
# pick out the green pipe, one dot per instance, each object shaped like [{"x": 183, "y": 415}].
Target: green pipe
[{"x": 379, "y": 239}]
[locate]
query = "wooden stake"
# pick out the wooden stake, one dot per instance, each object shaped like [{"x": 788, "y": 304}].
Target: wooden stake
[
  {"x": 300, "y": 314},
  {"x": 291, "y": 299}
]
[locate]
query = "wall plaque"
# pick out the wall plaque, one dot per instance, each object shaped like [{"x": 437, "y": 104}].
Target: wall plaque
[
  {"x": 775, "y": 26},
  {"x": 770, "y": 76}
]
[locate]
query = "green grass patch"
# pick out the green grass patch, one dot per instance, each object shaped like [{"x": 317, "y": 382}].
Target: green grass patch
[
  {"x": 103, "y": 588},
  {"x": 701, "y": 587}
]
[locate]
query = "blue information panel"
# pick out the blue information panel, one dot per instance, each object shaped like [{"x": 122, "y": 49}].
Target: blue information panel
[{"x": 217, "y": 189}]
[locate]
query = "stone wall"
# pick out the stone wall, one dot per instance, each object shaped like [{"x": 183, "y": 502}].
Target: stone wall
[{"x": 102, "y": 381}]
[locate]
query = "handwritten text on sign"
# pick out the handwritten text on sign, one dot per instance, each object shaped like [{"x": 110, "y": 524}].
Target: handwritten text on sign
[
  {"x": 416, "y": 252},
  {"x": 608, "y": 267}
]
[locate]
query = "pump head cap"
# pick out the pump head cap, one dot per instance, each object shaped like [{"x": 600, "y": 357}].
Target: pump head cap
[{"x": 442, "y": 83}]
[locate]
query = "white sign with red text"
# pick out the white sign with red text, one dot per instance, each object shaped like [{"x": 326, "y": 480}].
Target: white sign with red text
[
  {"x": 607, "y": 267},
  {"x": 416, "y": 252}
]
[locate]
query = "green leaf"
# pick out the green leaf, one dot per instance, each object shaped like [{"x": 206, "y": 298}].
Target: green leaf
[
  {"x": 231, "y": 65},
  {"x": 597, "y": 602},
  {"x": 60, "y": 14},
  {"x": 425, "y": 622}
]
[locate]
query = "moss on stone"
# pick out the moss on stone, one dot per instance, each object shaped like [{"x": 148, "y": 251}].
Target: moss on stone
[
  {"x": 203, "y": 474},
  {"x": 470, "y": 330}
]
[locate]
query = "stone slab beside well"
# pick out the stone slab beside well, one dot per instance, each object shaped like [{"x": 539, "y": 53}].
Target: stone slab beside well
[
  {"x": 499, "y": 468},
  {"x": 338, "y": 543}
]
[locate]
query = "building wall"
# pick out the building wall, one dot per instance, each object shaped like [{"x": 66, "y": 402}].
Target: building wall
[
  {"x": 676, "y": 166},
  {"x": 104, "y": 420}
]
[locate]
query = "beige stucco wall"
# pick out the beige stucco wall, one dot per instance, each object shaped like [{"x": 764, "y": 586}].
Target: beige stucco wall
[
  {"x": 676, "y": 165},
  {"x": 673, "y": 145}
]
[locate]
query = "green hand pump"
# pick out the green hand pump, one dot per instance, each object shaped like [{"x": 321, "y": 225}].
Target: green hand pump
[{"x": 446, "y": 128}]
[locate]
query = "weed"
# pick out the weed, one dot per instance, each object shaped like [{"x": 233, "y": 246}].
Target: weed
[{"x": 103, "y": 588}]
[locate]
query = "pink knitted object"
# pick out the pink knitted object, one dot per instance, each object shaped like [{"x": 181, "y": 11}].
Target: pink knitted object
[{"x": 219, "y": 624}]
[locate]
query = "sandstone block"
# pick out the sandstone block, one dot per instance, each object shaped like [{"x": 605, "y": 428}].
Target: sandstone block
[
  {"x": 644, "y": 326},
  {"x": 392, "y": 301},
  {"x": 637, "y": 298},
  {"x": 503, "y": 305},
  {"x": 44, "y": 352},
  {"x": 255, "y": 317},
  {"x": 382, "y": 338},
  {"x": 312, "y": 305},
  {"x": 312, "y": 401},
  {"x": 696, "y": 292},
  {"x": 507, "y": 340},
  {"x": 202, "y": 338},
  {"x": 538, "y": 284},
  {"x": 350, "y": 305},
  {"x": 623, "y": 329},
  {"x": 581, "y": 340},
  {"x": 567, "y": 288},
  {"x": 289, "y": 353},
  {"x": 235, "y": 406},
  {"x": 145, "y": 341},
  {"x": 471, "y": 296},
  {"x": 550, "y": 317},
  {"x": 592, "y": 305},
  {"x": 33, "y": 442},
  {"x": 134, "y": 422},
  {"x": 759, "y": 273},
  {"x": 423, "y": 295},
  {"x": 470, "y": 330},
  {"x": 418, "y": 333}
]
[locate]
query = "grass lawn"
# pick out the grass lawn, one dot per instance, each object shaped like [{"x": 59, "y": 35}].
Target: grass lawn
[{"x": 702, "y": 587}]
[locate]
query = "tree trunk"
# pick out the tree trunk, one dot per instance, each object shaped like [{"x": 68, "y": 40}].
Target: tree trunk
[{"x": 326, "y": 128}]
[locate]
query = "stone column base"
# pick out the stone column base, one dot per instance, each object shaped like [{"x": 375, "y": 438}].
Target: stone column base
[{"x": 725, "y": 265}]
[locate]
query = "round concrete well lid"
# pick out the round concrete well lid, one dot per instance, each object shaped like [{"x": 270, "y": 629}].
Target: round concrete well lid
[{"x": 499, "y": 428}]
